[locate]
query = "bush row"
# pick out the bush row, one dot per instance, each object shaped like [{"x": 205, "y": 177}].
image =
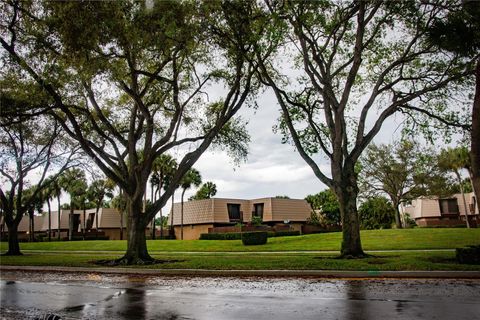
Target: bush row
[
  {"x": 254, "y": 238},
  {"x": 468, "y": 255},
  {"x": 238, "y": 235}
]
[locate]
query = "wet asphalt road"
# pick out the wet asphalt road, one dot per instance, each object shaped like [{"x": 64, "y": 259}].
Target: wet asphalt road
[{"x": 27, "y": 295}]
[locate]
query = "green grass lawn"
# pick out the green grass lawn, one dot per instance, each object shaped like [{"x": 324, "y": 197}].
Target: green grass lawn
[
  {"x": 393, "y": 239},
  {"x": 207, "y": 254},
  {"x": 441, "y": 260}
]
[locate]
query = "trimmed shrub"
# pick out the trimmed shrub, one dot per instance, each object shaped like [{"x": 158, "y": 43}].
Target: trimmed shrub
[
  {"x": 238, "y": 235},
  {"x": 283, "y": 234},
  {"x": 254, "y": 238},
  {"x": 468, "y": 255},
  {"x": 221, "y": 236}
]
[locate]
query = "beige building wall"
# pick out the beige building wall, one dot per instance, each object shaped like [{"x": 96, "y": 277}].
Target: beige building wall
[
  {"x": 64, "y": 215},
  {"x": 114, "y": 234},
  {"x": 290, "y": 209},
  {"x": 267, "y": 209},
  {"x": 430, "y": 207},
  {"x": 192, "y": 232},
  {"x": 221, "y": 212},
  {"x": 215, "y": 210},
  {"x": 200, "y": 211},
  {"x": 107, "y": 218},
  {"x": 24, "y": 224}
]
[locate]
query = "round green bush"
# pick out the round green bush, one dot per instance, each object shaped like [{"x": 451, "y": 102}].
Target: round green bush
[{"x": 254, "y": 238}]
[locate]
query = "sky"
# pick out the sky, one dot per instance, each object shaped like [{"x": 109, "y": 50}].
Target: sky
[{"x": 272, "y": 168}]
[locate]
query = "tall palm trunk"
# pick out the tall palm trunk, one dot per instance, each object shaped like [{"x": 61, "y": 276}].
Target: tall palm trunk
[
  {"x": 49, "y": 220},
  {"x": 172, "y": 230},
  {"x": 58, "y": 216},
  {"x": 181, "y": 215},
  {"x": 96, "y": 221},
  {"x": 153, "y": 220}
]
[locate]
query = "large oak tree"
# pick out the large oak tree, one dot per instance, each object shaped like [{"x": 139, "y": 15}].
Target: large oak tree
[
  {"x": 358, "y": 63},
  {"x": 129, "y": 82}
]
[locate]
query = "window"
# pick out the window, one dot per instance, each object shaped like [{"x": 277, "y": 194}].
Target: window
[
  {"x": 258, "y": 210},
  {"x": 448, "y": 206},
  {"x": 234, "y": 213}
]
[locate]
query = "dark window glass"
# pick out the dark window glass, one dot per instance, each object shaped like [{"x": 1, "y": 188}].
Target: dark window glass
[{"x": 233, "y": 212}]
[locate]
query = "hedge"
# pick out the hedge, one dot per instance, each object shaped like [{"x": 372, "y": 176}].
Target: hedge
[
  {"x": 254, "y": 238},
  {"x": 238, "y": 235},
  {"x": 221, "y": 236},
  {"x": 468, "y": 255}
]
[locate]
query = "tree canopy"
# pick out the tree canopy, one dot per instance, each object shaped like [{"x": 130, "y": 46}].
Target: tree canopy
[{"x": 128, "y": 83}]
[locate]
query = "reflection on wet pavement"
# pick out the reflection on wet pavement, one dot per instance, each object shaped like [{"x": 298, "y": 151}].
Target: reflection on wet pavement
[{"x": 94, "y": 296}]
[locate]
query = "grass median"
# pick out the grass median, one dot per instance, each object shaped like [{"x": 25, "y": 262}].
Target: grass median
[{"x": 278, "y": 253}]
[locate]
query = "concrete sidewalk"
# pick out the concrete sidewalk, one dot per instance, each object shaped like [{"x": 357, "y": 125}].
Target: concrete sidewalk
[
  {"x": 254, "y": 273},
  {"x": 234, "y": 252}
]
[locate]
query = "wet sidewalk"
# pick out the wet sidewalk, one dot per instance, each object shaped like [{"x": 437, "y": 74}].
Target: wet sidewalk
[{"x": 264, "y": 273}]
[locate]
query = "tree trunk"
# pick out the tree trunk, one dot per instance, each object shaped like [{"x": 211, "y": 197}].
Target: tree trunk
[
  {"x": 153, "y": 220},
  {"x": 161, "y": 224},
  {"x": 172, "y": 230},
  {"x": 58, "y": 216},
  {"x": 49, "y": 221},
  {"x": 121, "y": 224},
  {"x": 70, "y": 222},
  {"x": 475, "y": 138},
  {"x": 181, "y": 215},
  {"x": 13, "y": 244},
  {"x": 398, "y": 219},
  {"x": 137, "y": 252},
  {"x": 84, "y": 221},
  {"x": 96, "y": 221},
  {"x": 347, "y": 192},
  {"x": 463, "y": 197},
  {"x": 32, "y": 225}
]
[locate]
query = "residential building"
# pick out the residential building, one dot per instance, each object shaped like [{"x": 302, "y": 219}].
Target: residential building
[
  {"x": 434, "y": 211},
  {"x": 201, "y": 215}
]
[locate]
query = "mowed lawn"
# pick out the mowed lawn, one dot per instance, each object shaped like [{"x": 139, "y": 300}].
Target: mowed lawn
[
  {"x": 393, "y": 239},
  {"x": 287, "y": 253}
]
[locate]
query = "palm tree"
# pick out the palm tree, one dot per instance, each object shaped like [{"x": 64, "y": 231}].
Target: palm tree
[
  {"x": 455, "y": 160},
  {"x": 163, "y": 169},
  {"x": 74, "y": 183},
  {"x": 47, "y": 195},
  {"x": 191, "y": 178},
  {"x": 120, "y": 204},
  {"x": 96, "y": 193},
  {"x": 206, "y": 191},
  {"x": 56, "y": 189}
]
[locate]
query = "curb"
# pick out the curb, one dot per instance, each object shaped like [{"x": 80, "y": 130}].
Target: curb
[{"x": 375, "y": 274}]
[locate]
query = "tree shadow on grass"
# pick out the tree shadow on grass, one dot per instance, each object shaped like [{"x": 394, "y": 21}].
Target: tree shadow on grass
[{"x": 121, "y": 262}]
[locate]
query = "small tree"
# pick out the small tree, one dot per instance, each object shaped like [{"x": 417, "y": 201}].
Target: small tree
[
  {"x": 403, "y": 171},
  {"x": 326, "y": 203},
  {"x": 30, "y": 150},
  {"x": 454, "y": 160},
  {"x": 73, "y": 181},
  {"x": 376, "y": 213}
]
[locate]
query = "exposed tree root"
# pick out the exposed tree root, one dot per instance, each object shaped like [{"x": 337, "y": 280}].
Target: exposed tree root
[
  {"x": 128, "y": 261},
  {"x": 357, "y": 256}
]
